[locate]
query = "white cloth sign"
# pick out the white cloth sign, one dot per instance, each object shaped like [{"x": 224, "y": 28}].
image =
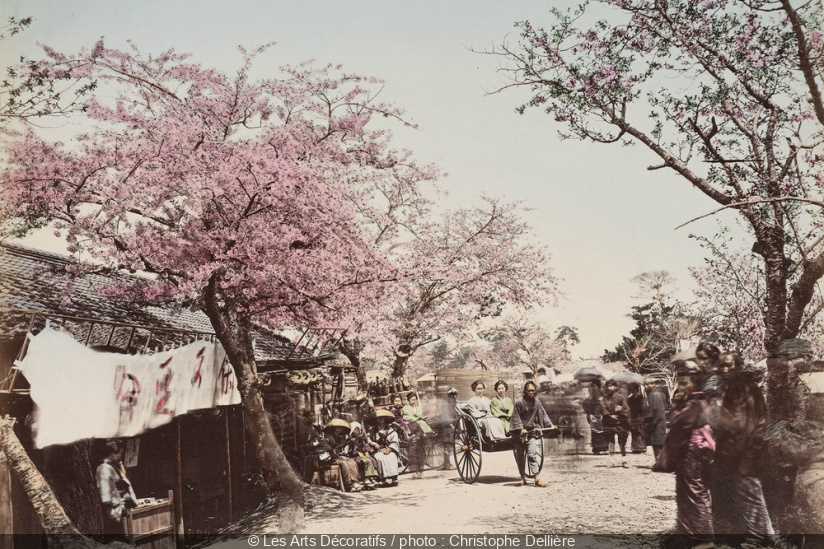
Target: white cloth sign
[{"x": 80, "y": 393}]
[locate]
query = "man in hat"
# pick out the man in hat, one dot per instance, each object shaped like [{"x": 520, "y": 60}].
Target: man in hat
[
  {"x": 616, "y": 420},
  {"x": 337, "y": 436}
]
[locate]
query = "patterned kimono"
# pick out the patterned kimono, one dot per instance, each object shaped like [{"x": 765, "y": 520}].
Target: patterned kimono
[
  {"x": 409, "y": 427},
  {"x": 502, "y": 409},
  {"x": 688, "y": 452},
  {"x": 387, "y": 463},
  {"x": 368, "y": 464}
]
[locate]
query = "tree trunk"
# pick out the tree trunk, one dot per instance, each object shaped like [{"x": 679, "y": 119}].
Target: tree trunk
[
  {"x": 53, "y": 519},
  {"x": 70, "y": 472},
  {"x": 351, "y": 349},
  {"x": 401, "y": 361},
  {"x": 234, "y": 333}
]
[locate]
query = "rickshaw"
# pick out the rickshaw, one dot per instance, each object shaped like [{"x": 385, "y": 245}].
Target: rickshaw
[
  {"x": 469, "y": 443},
  {"x": 432, "y": 448}
]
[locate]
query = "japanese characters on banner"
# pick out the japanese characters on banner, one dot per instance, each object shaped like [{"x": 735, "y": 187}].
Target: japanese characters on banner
[{"x": 80, "y": 393}]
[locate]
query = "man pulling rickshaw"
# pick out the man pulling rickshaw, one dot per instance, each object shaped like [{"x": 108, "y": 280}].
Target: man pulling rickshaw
[
  {"x": 529, "y": 424},
  {"x": 528, "y": 419}
]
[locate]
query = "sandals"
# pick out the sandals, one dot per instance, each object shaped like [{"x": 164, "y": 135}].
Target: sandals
[
  {"x": 522, "y": 482},
  {"x": 540, "y": 483}
]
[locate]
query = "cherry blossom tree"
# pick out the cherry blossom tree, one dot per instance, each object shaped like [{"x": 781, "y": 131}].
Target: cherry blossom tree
[
  {"x": 33, "y": 89},
  {"x": 731, "y": 300},
  {"x": 470, "y": 261},
  {"x": 725, "y": 93},
  {"x": 254, "y": 199},
  {"x": 517, "y": 340}
]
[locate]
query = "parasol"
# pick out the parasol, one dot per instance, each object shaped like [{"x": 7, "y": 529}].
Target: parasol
[
  {"x": 628, "y": 377},
  {"x": 587, "y": 374},
  {"x": 686, "y": 354}
]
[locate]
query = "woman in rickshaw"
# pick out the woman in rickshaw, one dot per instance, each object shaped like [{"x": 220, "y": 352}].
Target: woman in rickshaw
[
  {"x": 529, "y": 414},
  {"x": 501, "y": 405},
  {"x": 479, "y": 407}
]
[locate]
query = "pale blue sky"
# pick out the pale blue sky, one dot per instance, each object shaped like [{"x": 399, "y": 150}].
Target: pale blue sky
[{"x": 603, "y": 216}]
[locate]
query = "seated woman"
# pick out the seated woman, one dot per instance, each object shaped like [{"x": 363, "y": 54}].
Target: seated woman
[
  {"x": 407, "y": 426},
  {"x": 384, "y": 440},
  {"x": 479, "y": 407},
  {"x": 337, "y": 437},
  {"x": 413, "y": 412},
  {"x": 501, "y": 405},
  {"x": 361, "y": 450}
]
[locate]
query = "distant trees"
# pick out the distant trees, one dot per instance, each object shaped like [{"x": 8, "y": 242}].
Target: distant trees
[{"x": 661, "y": 326}]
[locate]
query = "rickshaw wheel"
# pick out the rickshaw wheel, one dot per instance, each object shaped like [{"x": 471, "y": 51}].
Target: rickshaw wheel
[
  {"x": 403, "y": 455},
  {"x": 539, "y": 447},
  {"x": 467, "y": 449}
]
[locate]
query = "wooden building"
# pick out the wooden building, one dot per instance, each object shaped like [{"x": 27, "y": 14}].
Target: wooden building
[{"x": 204, "y": 457}]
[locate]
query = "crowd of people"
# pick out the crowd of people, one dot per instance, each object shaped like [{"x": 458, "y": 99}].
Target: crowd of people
[
  {"x": 370, "y": 457},
  {"x": 710, "y": 435},
  {"x": 709, "y": 432}
]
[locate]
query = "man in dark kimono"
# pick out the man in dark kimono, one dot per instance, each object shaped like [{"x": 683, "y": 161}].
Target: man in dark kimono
[
  {"x": 655, "y": 418},
  {"x": 528, "y": 415},
  {"x": 738, "y": 500},
  {"x": 616, "y": 420}
]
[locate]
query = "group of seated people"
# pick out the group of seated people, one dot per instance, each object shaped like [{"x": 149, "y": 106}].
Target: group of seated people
[{"x": 367, "y": 458}]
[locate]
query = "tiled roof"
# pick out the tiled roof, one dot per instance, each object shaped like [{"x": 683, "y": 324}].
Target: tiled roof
[{"x": 34, "y": 280}]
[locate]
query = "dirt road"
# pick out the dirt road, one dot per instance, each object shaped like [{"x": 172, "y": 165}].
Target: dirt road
[{"x": 586, "y": 494}]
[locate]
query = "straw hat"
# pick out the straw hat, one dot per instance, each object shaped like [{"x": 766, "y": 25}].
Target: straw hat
[
  {"x": 382, "y": 413},
  {"x": 336, "y": 422}
]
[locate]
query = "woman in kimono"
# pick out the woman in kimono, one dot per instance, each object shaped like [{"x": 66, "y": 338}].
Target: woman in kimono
[
  {"x": 413, "y": 412},
  {"x": 688, "y": 451},
  {"x": 116, "y": 493},
  {"x": 361, "y": 450},
  {"x": 407, "y": 426},
  {"x": 384, "y": 440},
  {"x": 414, "y": 433},
  {"x": 594, "y": 410},
  {"x": 501, "y": 405},
  {"x": 479, "y": 408}
]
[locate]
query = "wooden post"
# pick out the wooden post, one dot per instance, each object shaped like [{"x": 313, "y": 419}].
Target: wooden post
[
  {"x": 226, "y": 411},
  {"x": 178, "y": 502}
]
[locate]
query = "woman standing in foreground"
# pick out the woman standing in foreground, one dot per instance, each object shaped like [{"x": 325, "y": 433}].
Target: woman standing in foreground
[{"x": 688, "y": 451}]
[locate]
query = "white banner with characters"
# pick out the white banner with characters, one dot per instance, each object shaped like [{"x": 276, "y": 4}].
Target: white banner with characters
[{"x": 80, "y": 393}]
